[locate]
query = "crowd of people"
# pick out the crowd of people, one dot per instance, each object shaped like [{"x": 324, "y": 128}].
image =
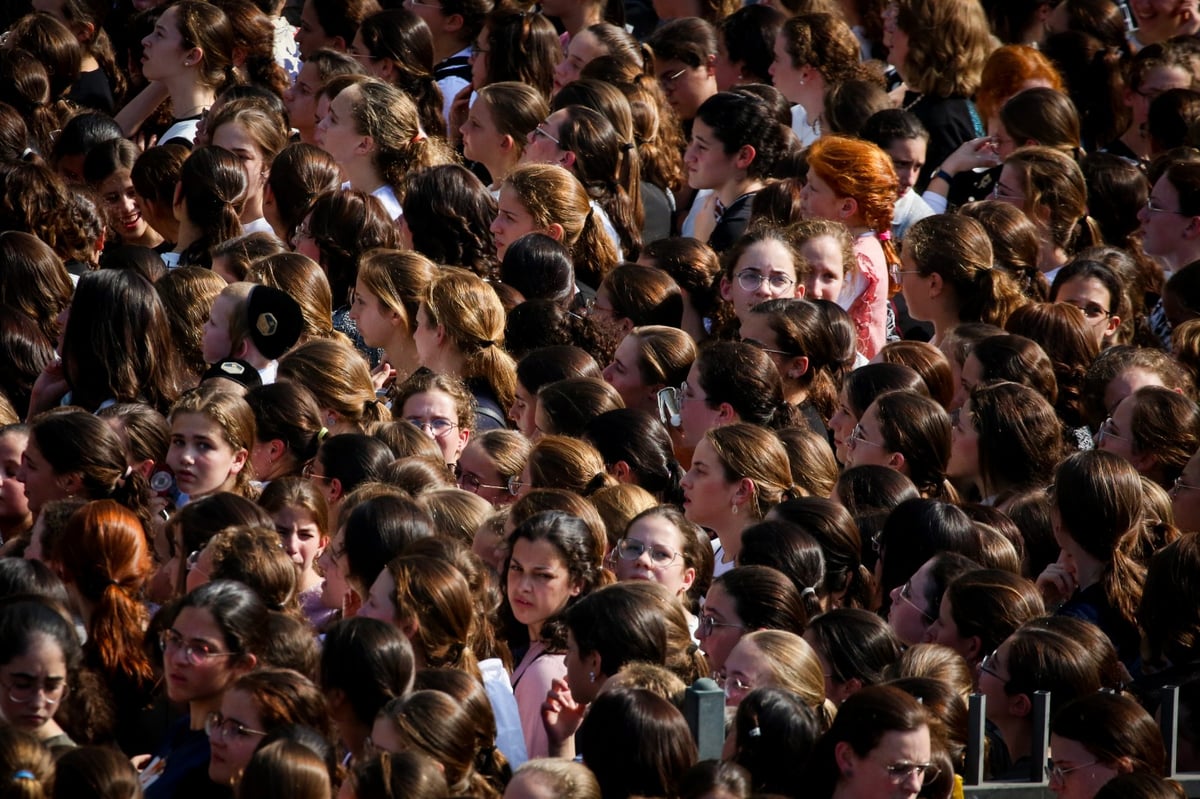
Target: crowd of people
[{"x": 413, "y": 400}]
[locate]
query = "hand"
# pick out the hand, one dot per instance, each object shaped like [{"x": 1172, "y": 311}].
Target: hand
[
  {"x": 383, "y": 375},
  {"x": 972, "y": 154},
  {"x": 561, "y": 714},
  {"x": 139, "y": 761},
  {"x": 706, "y": 218},
  {"x": 1057, "y": 582}
]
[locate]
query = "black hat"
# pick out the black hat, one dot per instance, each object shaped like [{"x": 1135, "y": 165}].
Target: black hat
[
  {"x": 276, "y": 321},
  {"x": 235, "y": 370}
]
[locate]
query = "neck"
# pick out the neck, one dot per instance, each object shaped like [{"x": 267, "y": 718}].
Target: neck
[
  {"x": 165, "y": 226},
  {"x": 449, "y": 361},
  {"x": 1179, "y": 258},
  {"x": 1017, "y": 735},
  {"x": 730, "y": 533},
  {"x": 189, "y": 98},
  {"x": 693, "y": 322},
  {"x": 253, "y": 209},
  {"x": 48, "y": 730},
  {"x": 943, "y": 322},
  {"x": 1135, "y": 139},
  {"x": 446, "y": 46},
  {"x": 362, "y": 175},
  {"x": 793, "y": 393},
  {"x": 401, "y": 353},
  {"x": 500, "y": 167},
  {"x": 535, "y": 633},
  {"x": 1050, "y": 256},
  {"x": 354, "y": 735},
  {"x": 149, "y": 239},
  {"x": 728, "y": 193},
  {"x": 1088, "y": 570},
  {"x": 188, "y": 235},
  {"x": 11, "y": 528}
]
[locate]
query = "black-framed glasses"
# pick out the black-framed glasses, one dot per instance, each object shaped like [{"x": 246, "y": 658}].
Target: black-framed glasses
[
  {"x": 905, "y": 770},
  {"x": 988, "y": 665},
  {"x": 216, "y": 725},
  {"x": 707, "y": 623},
  {"x": 469, "y": 481},
  {"x": 632, "y": 549},
  {"x": 196, "y": 652},
  {"x": 750, "y": 280}
]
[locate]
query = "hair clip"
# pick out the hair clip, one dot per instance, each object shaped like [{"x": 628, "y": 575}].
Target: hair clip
[{"x": 755, "y": 732}]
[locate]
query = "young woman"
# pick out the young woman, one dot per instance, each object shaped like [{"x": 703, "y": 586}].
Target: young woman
[
  {"x": 499, "y": 125},
  {"x": 340, "y": 381},
  {"x": 448, "y": 214},
  {"x": 212, "y": 186},
  {"x": 1097, "y": 290},
  {"x": 397, "y": 48},
  {"x": 548, "y": 199},
  {"x": 911, "y": 434},
  {"x": 647, "y": 360},
  {"x": 735, "y": 468},
  {"x": 211, "y": 638},
  {"x": 301, "y": 517},
  {"x": 859, "y": 390},
  {"x": 491, "y": 463},
  {"x": 212, "y": 431},
  {"x": 387, "y": 295},
  {"x": 1096, "y": 738},
  {"x": 549, "y": 566},
  {"x": 442, "y": 407},
  {"x": 854, "y": 182},
  {"x": 287, "y": 430},
  {"x": 663, "y": 546},
  {"x": 743, "y": 600},
  {"x": 300, "y": 100},
  {"x": 106, "y": 169},
  {"x": 249, "y": 130},
  {"x": 813, "y": 53},
  {"x": 764, "y": 264},
  {"x": 16, "y": 519},
  {"x": 736, "y": 144},
  {"x": 776, "y": 659},
  {"x": 1156, "y": 429}
]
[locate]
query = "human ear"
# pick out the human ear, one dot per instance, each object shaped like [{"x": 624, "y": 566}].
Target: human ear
[
  {"x": 555, "y": 231},
  {"x": 239, "y": 460}
]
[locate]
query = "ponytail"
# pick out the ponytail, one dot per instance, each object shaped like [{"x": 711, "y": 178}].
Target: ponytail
[
  {"x": 593, "y": 252},
  {"x": 1124, "y": 578}
]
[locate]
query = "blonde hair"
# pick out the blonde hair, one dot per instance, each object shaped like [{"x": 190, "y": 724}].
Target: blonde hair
[
  {"x": 568, "y": 463},
  {"x": 795, "y": 667},
  {"x": 618, "y": 505},
  {"x": 392, "y": 120},
  {"x": 665, "y": 354},
  {"x": 338, "y": 378},
  {"x": 565, "y": 779},
  {"x": 232, "y": 414},
  {"x": 552, "y": 195},
  {"x": 399, "y": 279},
  {"x": 456, "y": 513},
  {"x": 473, "y": 317}
]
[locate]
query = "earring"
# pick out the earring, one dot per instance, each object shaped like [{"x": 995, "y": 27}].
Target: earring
[
  {"x": 800, "y": 82},
  {"x": 734, "y": 508},
  {"x": 591, "y": 676}
]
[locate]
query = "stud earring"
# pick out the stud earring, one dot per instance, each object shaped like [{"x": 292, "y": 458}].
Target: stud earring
[{"x": 591, "y": 676}]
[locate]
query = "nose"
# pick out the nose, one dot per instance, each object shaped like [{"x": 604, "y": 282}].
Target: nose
[
  {"x": 607, "y": 374},
  {"x": 494, "y": 228}
]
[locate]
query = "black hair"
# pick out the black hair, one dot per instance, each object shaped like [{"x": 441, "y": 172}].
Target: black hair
[
  {"x": 539, "y": 267},
  {"x": 738, "y": 119},
  {"x": 370, "y": 661}
]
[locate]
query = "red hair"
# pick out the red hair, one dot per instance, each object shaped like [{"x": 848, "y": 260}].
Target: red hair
[
  {"x": 862, "y": 171},
  {"x": 106, "y": 555},
  {"x": 1007, "y": 71}
]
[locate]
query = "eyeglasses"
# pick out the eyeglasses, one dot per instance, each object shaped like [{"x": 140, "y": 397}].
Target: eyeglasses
[
  {"x": 476, "y": 50},
  {"x": 1000, "y": 193},
  {"x": 670, "y": 403},
  {"x": 750, "y": 280},
  {"x": 26, "y": 689},
  {"x": 905, "y": 770},
  {"x": 1151, "y": 208},
  {"x": 707, "y": 623},
  {"x": 1056, "y": 773},
  {"x": 988, "y": 665},
  {"x": 307, "y": 471},
  {"x": 540, "y": 131},
  {"x": 193, "y": 560},
  {"x": 632, "y": 549},
  {"x": 668, "y": 81},
  {"x": 469, "y": 481},
  {"x": 196, "y": 653},
  {"x": 736, "y": 687},
  {"x": 302, "y": 231},
  {"x": 216, "y": 725},
  {"x": 1180, "y": 485},
  {"x": 1106, "y": 432},
  {"x": 436, "y": 427},
  {"x": 859, "y": 436},
  {"x": 906, "y": 595},
  {"x": 759, "y": 345},
  {"x": 419, "y": 3},
  {"x": 589, "y": 306},
  {"x": 1091, "y": 310}
]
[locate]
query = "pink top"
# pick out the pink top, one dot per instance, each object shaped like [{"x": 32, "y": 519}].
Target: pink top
[
  {"x": 868, "y": 309},
  {"x": 531, "y": 681}
]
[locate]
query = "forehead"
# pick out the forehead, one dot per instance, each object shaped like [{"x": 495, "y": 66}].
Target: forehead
[
  {"x": 768, "y": 254},
  {"x": 433, "y": 403}
]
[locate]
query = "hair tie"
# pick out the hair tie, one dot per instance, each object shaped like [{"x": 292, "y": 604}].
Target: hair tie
[
  {"x": 808, "y": 591},
  {"x": 128, "y": 471},
  {"x": 693, "y": 648},
  {"x": 24, "y": 774},
  {"x": 626, "y": 146},
  {"x": 483, "y": 345},
  {"x": 755, "y": 732},
  {"x": 324, "y": 431},
  {"x": 419, "y": 136},
  {"x": 884, "y": 236},
  {"x": 26, "y": 153}
]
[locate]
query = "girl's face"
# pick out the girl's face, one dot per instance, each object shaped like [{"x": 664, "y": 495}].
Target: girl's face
[
  {"x": 916, "y": 288},
  {"x": 376, "y": 322},
  {"x": 944, "y": 631},
  {"x": 1116, "y": 435},
  {"x": 234, "y": 137},
  {"x": 482, "y": 141},
  {"x": 42, "y": 484},
  {"x": 332, "y": 563},
  {"x": 625, "y": 375},
  {"x": 964, "y": 446},
  {"x": 121, "y": 205},
  {"x": 746, "y": 667},
  {"x": 908, "y": 157},
  {"x": 909, "y": 617},
  {"x": 216, "y": 343},
  {"x": 724, "y": 630},
  {"x": 210, "y": 669},
  {"x": 339, "y": 135},
  {"x": 301, "y": 537},
  {"x": 993, "y": 676},
  {"x": 580, "y": 678},
  {"x": 512, "y": 220},
  {"x": 658, "y": 539},
  {"x": 478, "y": 474},
  {"x": 695, "y": 416},
  {"x": 231, "y": 751},
  {"x": 1092, "y": 297},
  {"x": 1010, "y": 188},
  {"x": 789, "y": 79},
  {"x": 300, "y": 100},
  {"x": 708, "y": 165},
  {"x": 685, "y": 86},
  {"x": 542, "y": 144},
  {"x": 768, "y": 262},
  {"x": 203, "y": 461},
  {"x": 866, "y": 445},
  {"x": 14, "y": 505},
  {"x": 37, "y": 678},
  {"x": 387, "y": 737},
  {"x": 842, "y": 425},
  {"x": 523, "y": 411},
  {"x": 539, "y": 584},
  {"x": 304, "y": 242},
  {"x": 310, "y": 36},
  {"x": 707, "y": 494},
  {"x": 582, "y": 50},
  {"x": 435, "y": 413},
  {"x": 827, "y": 268},
  {"x": 1156, "y": 81},
  {"x": 163, "y": 55},
  {"x": 427, "y": 341},
  {"x": 818, "y": 200},
  {"x": 1185, "y": 497},
  {"x": 868, "y": 776},
  {"x": 1083, "y": 775},
  {"x": 380, "y": 601},
  {"x": 479, "y": 59}
]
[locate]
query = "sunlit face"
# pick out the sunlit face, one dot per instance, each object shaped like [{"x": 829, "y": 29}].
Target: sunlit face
[
  {"x": 841, "y": 424},
  {"x": 770, "y": 262},
  {"x": 203, "y": 461},
  {"x": 523, "y": 409},
  {"x": 1164, "y": 229},
  {"x": 39, "y": 676},
  {"x": 339, "y": 133},
  {"x": 910, "y": 614},
  {"x": 216, "y": 343},
  {"x": 122, "y": 207},
  {"x": 478, "y": 474},
  {"x": 964, "y": 446},
  {"x": 234, "y": 137},
  {"x": 827, "y": 268},
  {"x": 310, "y": 36},
  {"x": 376, "y": 322},
  {"x": 756, "y": 329},
  {"x": 539, "y": 583},
  {"x": 14, "y": 505},
  {"x": 818, "y": 200},
  {"x": 1083, "y": 776},
  {"x": 944, "y": 631},
  {"x": 1117, "y": 433},
  {"x": 300, "y": 101},
  {"x": 625, "y": 375},
  {"x": 746, "y": 667},
  {"x": 789, "y": 79},
  {"x": 542, "y": 144},
  {"x": 435, "y": 412},
  {"x": 908, "y": 157},
  {"x": 1092, "y": 297},
  {"x": 993, "y": 676},
  {"x": 512, "y": 220},
  {"x": 868, "y": 447},
  {"x": 583, "y": 48},
  {"x": 482, "y": 141},
  {"x": 231, "y": 753},
  {"x": 969, "y": 377},
  {"x": 1010, "y": 188},
  {"x": 707, "y": 494},
  {"x": 163, "y": 55},
  {"x": 708, "y": 165},
  {"x": 479, "y": 59},
  {"x": 380, "y": 601},
  {"x": 727, "y": 627},
  {"x": 686, "y": 87},
  {"x": 696, "y": 417},
  {"x": 868, "y": 776},
  {"x": 300, "y": 535},
  {"x": 427, "y": 341},
  {"x": 657, "y": 534},
  {"x": 41, "y": 483},
  {"x": 916, "y": 288},
  {"x": 332, "y": 563},
  {"x": 188, "y": 681}
]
